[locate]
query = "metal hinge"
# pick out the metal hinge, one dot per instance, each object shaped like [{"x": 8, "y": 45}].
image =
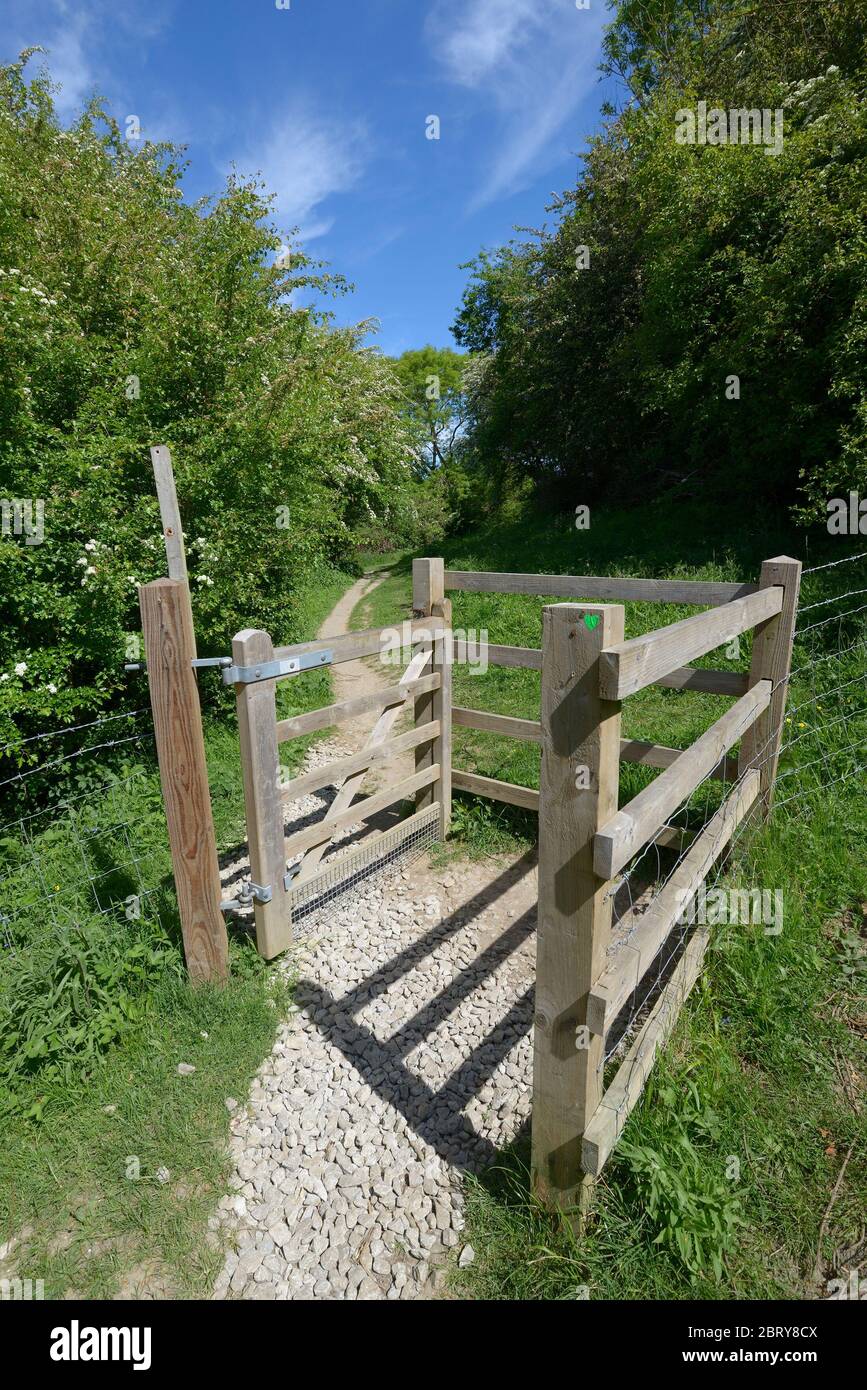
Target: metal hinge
[
  {"x": 271, "y": 670},
  {"x": 250, "y": 893}
]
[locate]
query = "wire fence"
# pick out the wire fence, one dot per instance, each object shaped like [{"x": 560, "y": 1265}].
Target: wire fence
[
  {"x": 842, "y": 758},
  {"x": 82, "y": 834}
]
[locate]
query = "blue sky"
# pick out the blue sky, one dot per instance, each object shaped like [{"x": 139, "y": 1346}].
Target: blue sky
[{"x": 330, "y": 100}]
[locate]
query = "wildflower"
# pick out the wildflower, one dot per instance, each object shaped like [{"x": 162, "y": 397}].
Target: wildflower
[
  {"x": 5, "y": 676},
  {"x": 91, "y": 545},
  {"x": 20, "y": 668},
  {"x": 801, "y": 724},
  {"x": 90, "y": 570},
  {"x": 52, "y": 688}
]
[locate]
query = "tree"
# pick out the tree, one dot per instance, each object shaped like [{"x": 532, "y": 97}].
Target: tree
[{"x": 433, "y": 402}]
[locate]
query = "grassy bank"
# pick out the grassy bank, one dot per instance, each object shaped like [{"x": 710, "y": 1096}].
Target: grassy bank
[
  {"x": 112, "y": 1161},
  {"x": 723, "y": 1184}
]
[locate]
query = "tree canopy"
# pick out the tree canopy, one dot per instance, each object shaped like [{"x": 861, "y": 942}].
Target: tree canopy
[{"x": 694, "y": 315}]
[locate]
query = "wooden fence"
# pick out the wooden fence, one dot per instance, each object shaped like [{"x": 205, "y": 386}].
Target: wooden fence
[{"x": 585, "y": 838}]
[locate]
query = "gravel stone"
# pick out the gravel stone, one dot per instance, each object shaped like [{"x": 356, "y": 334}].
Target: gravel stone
[{"x": 404, "y": 1063}]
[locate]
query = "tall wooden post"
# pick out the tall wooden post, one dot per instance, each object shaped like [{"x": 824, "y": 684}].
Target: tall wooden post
[
  {"x": 429, "y": 601},
  {"x": 772, "y": 660},
  {"x": 578, "y": 793},
  {"x": 170, "y": 516},
  {"x": 168, "y": 634},
  {"x": 260, "y": 765}
]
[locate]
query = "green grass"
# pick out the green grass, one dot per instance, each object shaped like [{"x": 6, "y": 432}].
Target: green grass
[
  {"x": 764, "y": 1075},
  {"x": 97, "y": 1015}
]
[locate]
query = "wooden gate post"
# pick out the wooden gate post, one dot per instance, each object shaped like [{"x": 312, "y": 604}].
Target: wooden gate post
[
  {"x": 772, "y": 660},
  {"x": 168, "y": 633},
  {"x": 260, "y": 768},
  {"x": 578, "y": 793},
  {"x": 429, "y": 601}
]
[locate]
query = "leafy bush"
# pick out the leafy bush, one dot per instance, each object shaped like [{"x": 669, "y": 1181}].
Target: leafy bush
[
  {"x": 611, "y": 379},
  {"x": 692, "y": 1205},
  {"x": 128, "y": 318}
]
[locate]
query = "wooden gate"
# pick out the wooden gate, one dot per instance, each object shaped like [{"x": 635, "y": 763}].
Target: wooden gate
[{"x": 426, "y": 682}]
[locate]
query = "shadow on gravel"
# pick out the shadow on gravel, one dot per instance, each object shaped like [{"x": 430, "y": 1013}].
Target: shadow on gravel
[{"x": 436, "y": 1116}]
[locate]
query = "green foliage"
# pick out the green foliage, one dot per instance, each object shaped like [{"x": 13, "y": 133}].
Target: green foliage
[
  {"x": 72, "y": 1002},
  {"x": 129, "y": 317},
  {"x": 433, "y": 401},
  {"x": 689, "y": 1200},
  {"x": 705, "y": 262}
]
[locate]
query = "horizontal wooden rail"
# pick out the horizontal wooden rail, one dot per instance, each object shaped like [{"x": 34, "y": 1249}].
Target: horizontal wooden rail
[
  {"x": 632, "y": 750},
  {"x": 650, "y": 929},
  {"x": 339, "y": 770},
  {"x": 497, "y": 791},
  {"x": 684, "y": 678},
  {"x": 360, "y": 810},
  {"x": 604, "y": 587},
  {"x": 635, "y": 750},
  {"x": 528, "y": 657},
  {"x": 641, "y": 661},
  {"x": 371, "y": 642},
  {"x": 347, "y": 709},
  {"x": 610, "y": 1116},
  {"x": 625, "y": 833},
  {"x": 711, "y": 682},
  {"x": 527, "y": 729}
]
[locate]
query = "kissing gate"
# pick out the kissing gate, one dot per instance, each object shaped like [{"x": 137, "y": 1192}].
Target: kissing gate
[{"x": 585, "y": 838}]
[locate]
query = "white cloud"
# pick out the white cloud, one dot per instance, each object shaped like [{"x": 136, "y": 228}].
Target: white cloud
[
  {"x": 305, "y": 159},
  {"x": 535, "y": 60}
]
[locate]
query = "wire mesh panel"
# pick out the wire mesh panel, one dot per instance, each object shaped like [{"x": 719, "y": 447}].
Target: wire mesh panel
[{"x": 400, "y": 845}]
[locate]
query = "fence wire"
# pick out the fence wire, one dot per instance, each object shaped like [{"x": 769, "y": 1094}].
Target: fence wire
[
  {"x": 83, "y": 837},
  {"x": 826, "y": 773}
]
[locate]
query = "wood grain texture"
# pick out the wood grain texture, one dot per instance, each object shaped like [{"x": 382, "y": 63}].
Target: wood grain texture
[
  {"x": 168, "y": 635},
  {"x": 428, "y": 600},
  {"x": 635, "y": 750},
  {"x": 397, "y": 694},
  {"x": 772, "y": 660},
  {"x": 630, "y": 666},
  {"x": 368, "y": 806},
  {"x": 374, "y": 641},
  {"x": 336, "y": 773},
  {"x": 497, "y": 791},
  {"x": 348, "y": 790},
  {"x": 580, "y": 730},
  {"x": 710, "y": 682},
  {"x": 592, "y": 586},
  {"x": 530, "y": 730},
  {"x": 170, "y": 514},
  {"x": 257, "y": 730},
  {"x": 606, "y": 1125},
  {"x": 170, "y": 518},
  {"x": 624, "y": 834},
  {"x": 529, "y": 658},
  {"x": 648, "y": 930}
]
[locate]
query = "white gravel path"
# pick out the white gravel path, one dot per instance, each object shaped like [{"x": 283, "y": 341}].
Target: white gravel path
[{"x": 407, "y": 1063}]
